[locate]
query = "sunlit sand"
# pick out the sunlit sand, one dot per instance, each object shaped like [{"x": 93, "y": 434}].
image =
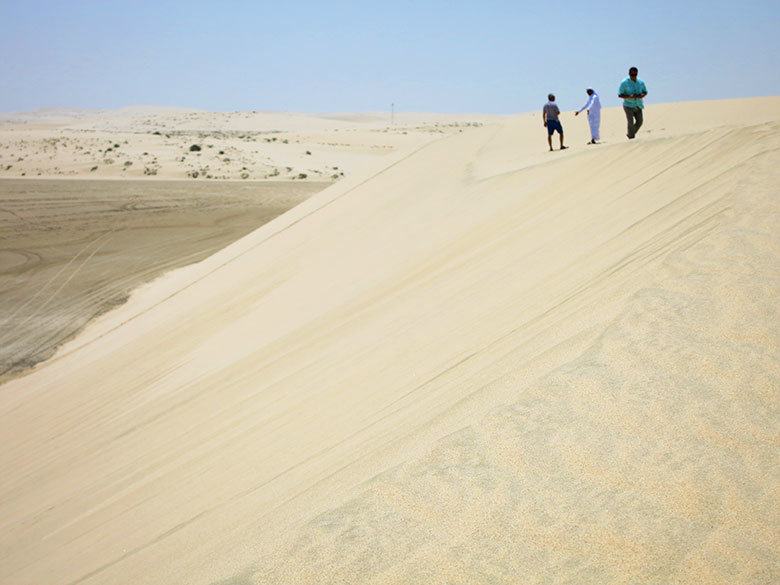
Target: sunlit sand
[{"x": 469, "y": 360}]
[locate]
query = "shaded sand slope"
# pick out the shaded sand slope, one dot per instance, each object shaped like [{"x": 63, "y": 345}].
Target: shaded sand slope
[
  {"x": 471, "y": 367},
  {"x": 71, "y": 249}
]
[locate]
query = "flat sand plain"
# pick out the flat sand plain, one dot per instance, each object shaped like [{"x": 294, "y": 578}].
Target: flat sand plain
[
  {"x": 480, "y": 362},
  {"x": 72, "y": 249},
  {"x": 176, "y": 143}
]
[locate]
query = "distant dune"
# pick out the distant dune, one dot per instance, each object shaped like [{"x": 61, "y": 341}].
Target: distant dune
[
  {"x": 178, "y": 143},
  {"x": 468, "y": 361}
]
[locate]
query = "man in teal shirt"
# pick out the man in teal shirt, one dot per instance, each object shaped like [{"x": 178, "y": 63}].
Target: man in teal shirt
[{"x": 632, "y": 90}]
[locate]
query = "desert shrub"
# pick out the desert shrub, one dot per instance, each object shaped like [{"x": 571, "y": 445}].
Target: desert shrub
[
  {"x": 116, "y": 146},
  {"x": 195, "y": 148},
  {"x": 221, "y": 152},
  {"x": 193, "y": 174},
  {"x": 94, "y": 168},
  {"x": 244, "y": 175},
  {"x": 108, "y": 161},
  {"x": 285, "y": 141},
  {"x": 308, "y": 152},
  {"x": 334, "y": 176},
  {"x": 128, "y": 163},
  {"x": 156, "y": 133},
  {"x": 302, "y": 175}
]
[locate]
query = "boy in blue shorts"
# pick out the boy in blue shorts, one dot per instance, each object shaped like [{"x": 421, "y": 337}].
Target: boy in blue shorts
[{"x": 550, "y": 113}]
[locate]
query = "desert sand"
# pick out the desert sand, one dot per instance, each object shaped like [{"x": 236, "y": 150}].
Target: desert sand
[
  {"x": 471, "y": 361},
  {"x": 71, "y": 249},
  {"x": 176, "y": 143}
]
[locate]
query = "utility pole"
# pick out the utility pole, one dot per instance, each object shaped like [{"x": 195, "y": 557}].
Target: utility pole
[{"x": 392, "y": 114}]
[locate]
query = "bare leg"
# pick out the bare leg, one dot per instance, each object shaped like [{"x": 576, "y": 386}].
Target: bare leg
[{"x": 549, "y": 141}]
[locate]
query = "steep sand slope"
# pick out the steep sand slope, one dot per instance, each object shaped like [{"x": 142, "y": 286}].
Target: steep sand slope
[{"x": 474, "y": 366}]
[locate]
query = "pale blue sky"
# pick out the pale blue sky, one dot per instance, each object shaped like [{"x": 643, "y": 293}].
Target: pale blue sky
[{"x": 344, "y": 55}]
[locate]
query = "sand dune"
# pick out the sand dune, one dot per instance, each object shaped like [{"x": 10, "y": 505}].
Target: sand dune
[{"x": 483, "y": 363}]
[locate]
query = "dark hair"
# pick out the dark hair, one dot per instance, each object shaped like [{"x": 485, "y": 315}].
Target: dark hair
[
  {"x": 633, "y": 69},
  {"x": 551, "y": 97}
]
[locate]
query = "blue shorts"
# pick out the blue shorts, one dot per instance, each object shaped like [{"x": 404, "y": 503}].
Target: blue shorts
[{"x": 552, "y": 126}]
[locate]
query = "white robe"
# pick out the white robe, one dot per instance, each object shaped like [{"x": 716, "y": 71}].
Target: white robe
[{"x": 594, "y": 114}]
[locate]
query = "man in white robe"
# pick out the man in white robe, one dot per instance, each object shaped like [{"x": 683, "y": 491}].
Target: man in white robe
[{"x": 594, "y": 114}]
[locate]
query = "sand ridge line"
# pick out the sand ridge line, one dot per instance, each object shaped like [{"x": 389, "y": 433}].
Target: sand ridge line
[{"x": 229, "y": 261}]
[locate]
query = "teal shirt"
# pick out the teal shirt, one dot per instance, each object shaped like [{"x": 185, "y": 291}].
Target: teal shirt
[{"x": 628, "y": 87}]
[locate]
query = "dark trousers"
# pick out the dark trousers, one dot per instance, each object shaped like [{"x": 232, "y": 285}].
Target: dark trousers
[{"x": 634, "y": 118}]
